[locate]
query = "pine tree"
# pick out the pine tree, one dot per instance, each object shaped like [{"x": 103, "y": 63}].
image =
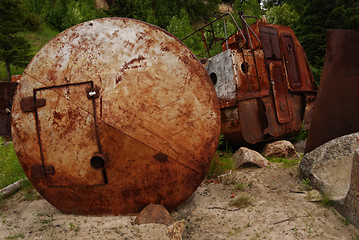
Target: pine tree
[{"x": 14, "y": 49}]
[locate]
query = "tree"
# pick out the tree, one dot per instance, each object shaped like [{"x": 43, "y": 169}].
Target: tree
[{"x": 14, "y": 49}]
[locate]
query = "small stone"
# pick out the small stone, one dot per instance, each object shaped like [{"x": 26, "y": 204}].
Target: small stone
[
  {"x": 282, "y": 148},
  {"x": 176, "y": 230},
  {"x": 244, "y": 157},
  {"x": 154, "y": 213}
]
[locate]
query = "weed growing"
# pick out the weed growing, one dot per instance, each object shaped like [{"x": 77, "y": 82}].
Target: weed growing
[
  {"x": 16, "y": 236},
  {"x": 241, "y": 201},
  {"x": 285, "y": 161},
  {"x": 305, "y": 184},
  {"x": 220, "y": 164},
  {"x": 10, "y": 168}
]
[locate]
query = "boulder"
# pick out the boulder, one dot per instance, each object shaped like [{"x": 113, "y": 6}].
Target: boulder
[
  {"x": 282, "y": 148},
  {"x": 154, "y": 213},
  {"x": 349, "y": 206},
  {"x": 329, "y": 166},
  {"x": 244, "y": 157}
]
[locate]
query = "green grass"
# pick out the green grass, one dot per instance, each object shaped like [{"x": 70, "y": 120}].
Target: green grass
[
  {"x": 10, "y": 169},
  {"x": 220, "y": 164},
  {"x": 285, "y": 161},
  {"x": 241, "y": 201}
]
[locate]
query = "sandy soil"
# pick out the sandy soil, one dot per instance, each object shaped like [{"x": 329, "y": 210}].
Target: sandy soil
[{"x": 279, "y": 209}]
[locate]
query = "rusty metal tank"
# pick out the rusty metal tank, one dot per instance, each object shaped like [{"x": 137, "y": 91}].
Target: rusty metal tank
[{"x": 114, "y": 114}]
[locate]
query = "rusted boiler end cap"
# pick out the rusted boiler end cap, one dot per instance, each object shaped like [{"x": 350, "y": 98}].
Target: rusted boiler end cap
[{"x": 120, "y": 114}]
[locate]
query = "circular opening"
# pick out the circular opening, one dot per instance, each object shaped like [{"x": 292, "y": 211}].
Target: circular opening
[
  {"x": 244, "y": 67},
  {"x": 97, "y": 162},
  {"x": 289, "y": 47},
  {"x": 213, "y": 76}
]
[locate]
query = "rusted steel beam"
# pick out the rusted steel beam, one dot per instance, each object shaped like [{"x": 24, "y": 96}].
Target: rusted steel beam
[{"x": 336, "y": 112}]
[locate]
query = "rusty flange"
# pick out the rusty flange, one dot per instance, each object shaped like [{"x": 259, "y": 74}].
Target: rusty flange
[{"x": 123, "y": 115}]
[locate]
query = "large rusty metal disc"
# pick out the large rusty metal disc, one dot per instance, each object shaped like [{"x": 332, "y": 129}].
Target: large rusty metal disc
[{"x": 114, "y": 114}]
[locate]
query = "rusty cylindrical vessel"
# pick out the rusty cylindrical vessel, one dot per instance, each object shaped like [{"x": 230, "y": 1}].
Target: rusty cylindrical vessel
[{"x": 114, "y": 114}]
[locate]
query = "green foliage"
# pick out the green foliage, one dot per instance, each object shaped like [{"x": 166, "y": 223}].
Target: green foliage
[
  {"x": 10, "y": 169},
  {"x": 161, "y": 12},
  {"x": 283, "y": 15},
  {"x": 14, "y": 49},
  {"x": 305, "y": 184},
  {"x": 220, "y": 164},
  {"x": 250, "y": 8},
  {"x": 285, "y": 161},
  {"x": 326, "y": 201}
]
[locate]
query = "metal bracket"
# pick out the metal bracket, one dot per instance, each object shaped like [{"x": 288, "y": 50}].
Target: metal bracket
[
  {"x": 93, "y": 92},
  {"x": 28, "y": 104},
  {"x": 40, "y": 171}
]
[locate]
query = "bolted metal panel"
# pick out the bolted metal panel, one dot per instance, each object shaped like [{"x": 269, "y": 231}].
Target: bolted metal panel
[
  {"x": 335, "y": 112},
  {"x": 131, "y": 118},
  {"x": 291, "y": 61}
]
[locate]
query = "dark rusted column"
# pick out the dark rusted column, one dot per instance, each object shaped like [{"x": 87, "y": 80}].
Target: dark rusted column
[{"x": 336, "y": 108}]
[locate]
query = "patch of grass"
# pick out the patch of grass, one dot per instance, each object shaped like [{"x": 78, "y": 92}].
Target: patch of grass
[
  {"x": 239, "y": 187},
  {"x": 16, "y": 236},
  {"x": 326, "y": 201},
  {"x": 220, "y": 164},
  {"x": 10, "y": 168},
  {"x": 305, "y": 184},
  {"x": 241, "y": 201},
  {"x": 285, "y": 161},
  {"x": 74, "y": 227},
  {"x": 29, "y": 193}
]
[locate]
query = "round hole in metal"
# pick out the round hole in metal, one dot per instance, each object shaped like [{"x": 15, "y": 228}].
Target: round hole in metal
[
  {"x": 213, "y": 76},
  {"x": 289, "y": 47},
  {"x": 244, "y": 67},
  {"x": 97, "y": 162}
]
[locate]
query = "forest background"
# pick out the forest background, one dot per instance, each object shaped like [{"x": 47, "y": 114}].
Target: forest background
[{"x": 27, "y": 25}]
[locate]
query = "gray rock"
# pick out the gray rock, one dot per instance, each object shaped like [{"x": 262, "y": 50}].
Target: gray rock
[
  {"x": 245, "y": 156},
  {"x": 329, "y": 166},
  {"x": 349, "y": 206},
  {"x": 300, "y": 146},
  {"x": 154, "y": 213},
  {"x": 282, "y": 148}
]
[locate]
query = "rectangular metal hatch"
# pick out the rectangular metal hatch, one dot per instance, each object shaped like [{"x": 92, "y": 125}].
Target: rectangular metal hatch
[{"x": 67, "y": 134}]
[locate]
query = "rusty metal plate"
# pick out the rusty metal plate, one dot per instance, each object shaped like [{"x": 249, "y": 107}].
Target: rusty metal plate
[
  {"x": 280, "y": 91},
  {"x": 291, "y": 61},
  {"x": 335, "y": 111},
  {"x": 131, "y": 118}
]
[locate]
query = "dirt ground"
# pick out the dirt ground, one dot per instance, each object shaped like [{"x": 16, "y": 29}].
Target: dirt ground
[{"x": 278, "y": 208}]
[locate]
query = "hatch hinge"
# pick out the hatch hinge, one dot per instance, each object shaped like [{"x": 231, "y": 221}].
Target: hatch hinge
[
  {"x": 40, "y": 171},
  {"x": 28, "y": 104}
]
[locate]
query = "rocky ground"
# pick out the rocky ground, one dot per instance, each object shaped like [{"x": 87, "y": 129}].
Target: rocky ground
[{"x": 272, "y": 203}]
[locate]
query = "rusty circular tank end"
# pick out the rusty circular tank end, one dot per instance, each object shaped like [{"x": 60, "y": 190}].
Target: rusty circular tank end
[
  {"x": 98, "y": 161},
  {"x": 119, "y": 114}
]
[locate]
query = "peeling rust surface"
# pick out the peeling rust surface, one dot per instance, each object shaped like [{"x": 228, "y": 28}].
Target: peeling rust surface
[
  {"x": 335, "y": 111},
  {"x": 130, "y": 91},
  {"x": 265, "y": 92}
]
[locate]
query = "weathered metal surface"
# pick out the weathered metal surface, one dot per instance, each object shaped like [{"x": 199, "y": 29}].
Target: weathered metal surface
[
  {"x": 335, "y": 112},
  {"x": 7, "y": 91},
  {"x": 269, "y": 90},
  {"x": 131, "y": 118}
]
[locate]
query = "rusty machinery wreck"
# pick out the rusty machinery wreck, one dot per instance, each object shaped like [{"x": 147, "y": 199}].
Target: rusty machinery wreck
[
  {"x": 114, "y": 113},
  {"x": 262, "y": 78}
]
